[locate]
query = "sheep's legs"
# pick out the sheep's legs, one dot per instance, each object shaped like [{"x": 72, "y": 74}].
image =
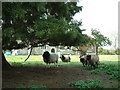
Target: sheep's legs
[
  {"x": 96, "y": 64},
  {"x": 56, "y": 65},
  {"x": 83, "y": 65},
  {"x": 47, "y": 65}
]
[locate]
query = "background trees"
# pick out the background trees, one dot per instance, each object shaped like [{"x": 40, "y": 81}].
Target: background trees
[{"x": 99, "y": 40}]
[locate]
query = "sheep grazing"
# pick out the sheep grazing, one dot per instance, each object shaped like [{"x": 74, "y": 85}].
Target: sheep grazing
[
  {"x": 50, "y": 58},
  {"x": 83, "y": 60},
  {"x": 65, "y": 58},
  {"x": 93, "y": 60}
]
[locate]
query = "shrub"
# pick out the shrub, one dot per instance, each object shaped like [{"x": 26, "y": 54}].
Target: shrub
[
  {"x": 102, "y": 51},
  {"x": 89, "y": 83},
  {"x": 111, "y": 70}
]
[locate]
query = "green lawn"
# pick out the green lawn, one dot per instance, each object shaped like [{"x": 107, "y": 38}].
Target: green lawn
[{"x": 38, "y": 60}]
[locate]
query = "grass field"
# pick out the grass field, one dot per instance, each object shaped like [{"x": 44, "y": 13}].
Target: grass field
[
  {"x": 38, "y": 60},
  {"x": 108, "y": 65}
]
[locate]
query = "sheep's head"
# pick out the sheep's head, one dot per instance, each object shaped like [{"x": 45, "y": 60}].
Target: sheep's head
[
  {"x": 81, "y": 56},
  {"x": 69, "y": 59},
  {"x": 46, "y": 55},
  {"x": 82, "y": 60},
  {"x": 62, "y": 57},
  {"x": 88, "y": 57}
]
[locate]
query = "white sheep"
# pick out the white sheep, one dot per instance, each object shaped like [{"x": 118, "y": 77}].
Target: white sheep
[
  {"x": 93, "y": 60},
  {"x": 65, "y": 58},
  {"x": 50, "y": 57}
]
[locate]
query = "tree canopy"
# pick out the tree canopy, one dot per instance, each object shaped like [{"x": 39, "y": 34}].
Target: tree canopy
[
  {"x": 40, "y": 23},
  {"x": 99, "y": 40}
]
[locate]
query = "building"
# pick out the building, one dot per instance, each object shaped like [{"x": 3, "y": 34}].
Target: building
[{"x": 56, "y": 49}]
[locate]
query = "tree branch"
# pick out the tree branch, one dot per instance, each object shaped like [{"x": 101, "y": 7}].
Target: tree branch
[{"x": 29, "y": 53}]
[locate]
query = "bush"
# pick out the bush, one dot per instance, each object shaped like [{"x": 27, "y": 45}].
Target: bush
[
  {"x": 89, "y": 83},
  {"x": 102, "y": 51},
  {"x": 117, "y": 51},
  {"x": 111, "y": 70}
]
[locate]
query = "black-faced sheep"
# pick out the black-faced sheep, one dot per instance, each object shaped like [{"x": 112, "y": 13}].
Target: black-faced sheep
[
  {"x": 50, "y": 57},
  {"x": 65, "y": 58},
  {"x": 93, "y": 60},
  {"x": 83, "y": 60}
]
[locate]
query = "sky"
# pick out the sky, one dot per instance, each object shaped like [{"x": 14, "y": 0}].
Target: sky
[{"x": 100, "y": 14}]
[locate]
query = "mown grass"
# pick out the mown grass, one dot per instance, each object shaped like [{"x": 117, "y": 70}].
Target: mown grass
[{"x": 38, "y": 60}]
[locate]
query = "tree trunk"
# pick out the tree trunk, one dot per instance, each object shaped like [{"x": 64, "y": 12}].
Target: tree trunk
[
  {"x": 29, "y": 54},
  {"x": 5, "y": 64},
  {"x": 96, "y": 50}
]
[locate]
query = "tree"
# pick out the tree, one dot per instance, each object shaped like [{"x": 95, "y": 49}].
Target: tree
[
  {"x": 35, "y": 24},
  {"x": 25, "y": 20},
  {"x": 99, "y": 40},
  {"x": 82, "y": 48},
  {"x": 117, "y": 51},
  {"x": 114, "y": 38}
]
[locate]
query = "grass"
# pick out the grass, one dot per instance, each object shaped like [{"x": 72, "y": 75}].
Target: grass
[
  {"x": 33, "y": 87},
  {"x": 38, "y": 60},
  {"x": 108, "y": 65},
  {"x": 89, "y": 83}
]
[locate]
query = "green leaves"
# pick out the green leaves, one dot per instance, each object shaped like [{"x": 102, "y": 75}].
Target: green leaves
[
  {"x": 41, "y": 23},
  {"x": 111, "y": 70},
  {"x": 88, "y": 83},
  {"x": 8, "y": 32},
  {"x": 99, "y": 39}
]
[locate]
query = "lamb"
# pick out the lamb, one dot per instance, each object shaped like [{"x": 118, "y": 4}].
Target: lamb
[
  {"x": 83, "y": 60},
  {"x": 50, "y": 57},
  {"x": 65, "y": 58},
  {"x": 93, "y": 60}
]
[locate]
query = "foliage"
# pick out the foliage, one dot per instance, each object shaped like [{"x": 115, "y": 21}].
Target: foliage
[
  {"x": 39, "y": 23},
  {"x": 96, "y": 71},
  {"x": 117, "y": 51},
  {"x": 7, "y": 51},
  {"x": 102, "y": 51},
  {"x": 99, "y": 40},
  {"x": 89, "y": 83},
  {"x": 110, "y": 69}
]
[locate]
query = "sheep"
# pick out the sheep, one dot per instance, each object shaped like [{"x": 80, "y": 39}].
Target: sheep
[
  {"x": 65, "y": 58},
  {"x": 83, "y": 60},
  {"x": 93, "y": 60},
  {"x": 50, "y": 57}
]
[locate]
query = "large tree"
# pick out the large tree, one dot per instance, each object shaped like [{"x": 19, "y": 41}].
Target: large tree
[{"x": 39, "y": 23}]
